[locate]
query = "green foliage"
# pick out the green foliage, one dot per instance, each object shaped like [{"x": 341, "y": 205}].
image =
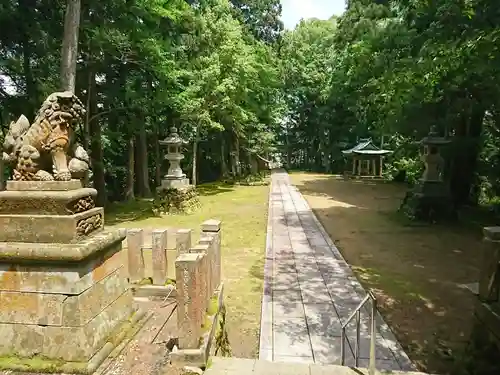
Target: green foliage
[
  {"x": 397, "y": 67},
  {"x": 207, "y": 67}
]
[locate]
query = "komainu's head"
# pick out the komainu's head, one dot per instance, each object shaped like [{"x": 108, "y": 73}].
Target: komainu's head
[{"x": 62, "y": 107}]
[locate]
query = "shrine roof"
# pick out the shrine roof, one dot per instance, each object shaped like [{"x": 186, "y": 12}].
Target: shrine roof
[{"x": 366, "y": 147}]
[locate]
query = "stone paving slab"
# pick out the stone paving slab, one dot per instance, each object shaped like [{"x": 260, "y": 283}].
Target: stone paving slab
[
  {"x": 286, "y": 366},
  {"x": 310, "y": 290}
]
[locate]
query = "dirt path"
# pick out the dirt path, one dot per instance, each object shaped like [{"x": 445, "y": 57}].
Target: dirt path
[{"x": 416, "y": 272}]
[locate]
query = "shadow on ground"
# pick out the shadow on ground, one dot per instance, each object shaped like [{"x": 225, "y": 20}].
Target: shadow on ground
[
  {"x": 214, "y": 188},
  {"x": 417, "y": 272},
  {"x": 135, "y": 210}
]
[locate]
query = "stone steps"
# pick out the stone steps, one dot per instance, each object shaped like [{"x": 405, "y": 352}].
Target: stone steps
[{"x": 240, "y": 366}]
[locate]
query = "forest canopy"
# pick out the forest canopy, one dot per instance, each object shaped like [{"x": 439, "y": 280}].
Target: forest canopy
[{"x": 235, "y": 83}]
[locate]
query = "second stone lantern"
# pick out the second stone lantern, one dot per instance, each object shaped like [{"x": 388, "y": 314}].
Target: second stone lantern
[
  {"x": 175, "y": 177},
  {"x": 175, "y": 194},
  {"x": 430, "y": 199}
]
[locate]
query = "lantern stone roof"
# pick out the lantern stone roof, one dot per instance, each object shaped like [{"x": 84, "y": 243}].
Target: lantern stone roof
[
  {"x": 366, "y": 146},
  {"x": 433, "y": 138},
  {"x": 173, "y": 138}
]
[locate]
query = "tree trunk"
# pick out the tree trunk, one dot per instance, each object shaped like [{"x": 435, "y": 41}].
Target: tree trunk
[
  {"x": 96, "y": 153},
  {"x": 129, "y": 189},
  {"x": 194, "y": 176},
  {"x": 2, "y": 172},
  {"x": 157, "y": 157},
  {"x": 288, "y": 148},
  {"x": 326, "y": 150},
  {"x": 143, "y": 188},
  {"x": 70, "y": 45},
  {"x": 237, "y": 162},
  {"x": 463, "y": 173},
  {"x": 25, "y": 9},
  {"x": 223, "y": 162},
  {"x": 88, "y": 115}
]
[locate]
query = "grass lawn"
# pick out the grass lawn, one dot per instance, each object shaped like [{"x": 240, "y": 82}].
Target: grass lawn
[
  {"x": 243, "y": 211},
  {"x": 415, "y": 271}
]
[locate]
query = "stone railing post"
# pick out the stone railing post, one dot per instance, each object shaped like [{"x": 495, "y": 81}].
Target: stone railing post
[
  {"x": 489, "y": 282},
  {"x": 212, "y": 228},
  {"x": 209, "y": 241},
  {"x": 135, "y": 242},
  {"x": 189, "y": 307},
  {"x": 206, "y": 291},
  {"x": 159, "y": 256},
  {"x": 183, "y": 241}
]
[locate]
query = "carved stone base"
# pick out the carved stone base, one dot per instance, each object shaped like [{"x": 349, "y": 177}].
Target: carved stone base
[
  {"x": 51, "y": 228},
  {"x": 44, "y": 185},
  {"x": 48, "y": 212},
  {"x": 67, "y": 307},
  {"x": 47, "y": 202}
]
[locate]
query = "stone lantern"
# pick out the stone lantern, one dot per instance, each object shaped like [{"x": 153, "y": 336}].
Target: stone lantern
[
  {"x": 430, "y": 198},
  {"x": 431, "y": 156},
  {"x": 175, "y": 177}
]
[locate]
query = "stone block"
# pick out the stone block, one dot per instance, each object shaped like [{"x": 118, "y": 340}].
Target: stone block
[
  {"x": 59, "y": 309},
  {"x": 135, "y": 243},
  {"x": 489, "y": 282},
  {"x": 65, "y": 343},
  {"x": 31, "y": 308},
  {"x": 492, "y": 233},
  {"x": 188, "y": 300},
  {"x": 72, "y": 268},
  {"x": 183, "y": 241},
  {"x": 44, "y": 202},
  {"x": 159, "y": 252},
  {"x": 44, "y": 185},
  {"x": 175, "y": 183},
  {"x": 50, "y": 228},
  {"x": 81, "y": 309},
  {"x": 211, "y": 225}
]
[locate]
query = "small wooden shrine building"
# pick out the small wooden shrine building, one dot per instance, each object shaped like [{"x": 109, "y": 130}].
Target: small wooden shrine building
[{"x": 366, "y": 158}]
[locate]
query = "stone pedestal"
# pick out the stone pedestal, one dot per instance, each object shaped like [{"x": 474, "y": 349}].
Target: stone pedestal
[
  {"x": 429, "y": 200},
  {"x": 175, "y": 183},
  {"x": 63, "y": 290}
]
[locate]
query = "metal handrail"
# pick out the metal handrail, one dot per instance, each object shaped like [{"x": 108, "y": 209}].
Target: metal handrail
[{"x": 357, "y": 313}]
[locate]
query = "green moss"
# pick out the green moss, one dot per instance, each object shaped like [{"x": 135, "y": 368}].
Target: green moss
[
  {"x": 146, "y": 281},
  {"x": 210, "y": 362},
  {"x": 205, "y": 326},
  {"x": 213, "y": 305},
  {"x": 170, "y": 282},
  {"x": 40, "y": 364}
]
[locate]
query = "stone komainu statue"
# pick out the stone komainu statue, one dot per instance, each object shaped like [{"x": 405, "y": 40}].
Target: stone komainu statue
[{"x": 44, "y": 150}]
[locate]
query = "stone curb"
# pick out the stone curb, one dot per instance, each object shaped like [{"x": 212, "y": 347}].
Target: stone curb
[{"x": 266, "y": 304}]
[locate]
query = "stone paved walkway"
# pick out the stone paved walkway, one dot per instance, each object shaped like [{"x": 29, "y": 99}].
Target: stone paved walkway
[
  {"x": 239, "y": 366},
  {"x": 309, "y": 290}
]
